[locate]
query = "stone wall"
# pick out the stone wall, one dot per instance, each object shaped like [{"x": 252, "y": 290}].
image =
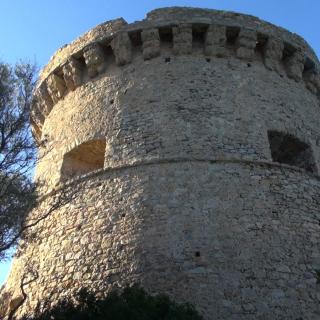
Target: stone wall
[
  {"x": 220, "y": 35},
  {"x": 238, "y": 239},
  {"x": 192, "y": 139},
  {"x": 208, "y": 110}
]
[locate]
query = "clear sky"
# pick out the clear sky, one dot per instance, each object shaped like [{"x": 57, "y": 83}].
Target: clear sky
[{"x": 35, "y": 29}]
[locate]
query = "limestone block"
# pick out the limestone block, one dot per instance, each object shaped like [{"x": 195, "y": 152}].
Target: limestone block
[
  {"x": 247, "y": 41},
  {"x": 295, "y": 65},
  {"x": 72, "y": 73},
  {"x": 182, "y": 39},
  {"x": 121, "y": 46},
  {"x": 56, "y": 87},
  {"x": 150, "y": 43},
  {"x": 273, "y": 54},
  {"x": 94, "y": 58},
  {"x": 215, "y": 41},
  {"x": 36, "y": 116},
  {"x": 43, "y": 97},
  {"x": 41, "y": 107},
  {"x": 312, "y": 78}
]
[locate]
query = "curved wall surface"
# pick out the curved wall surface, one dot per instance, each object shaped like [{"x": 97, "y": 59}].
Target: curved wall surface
[{"x": 193, "y": 140}]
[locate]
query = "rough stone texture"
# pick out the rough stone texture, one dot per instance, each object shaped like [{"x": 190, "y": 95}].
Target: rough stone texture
[
  {"x": 215, "y": 42},
  {"x": 247, "y": 41},
  {"x": 72, "y": 73},
  {"x": 94, "y": 57},
  {"x": 56, "y": 87},
  {"x": 313, "y": 80},
  {"x": 295, "y": 65},
  {"x": 171, "y": 154},
  {"x": 122, "y": 48},
  {"x": 273, "y": 54},
  {"x": 98, "y": 33},
  {"x": 151, "y": 43},
  {"x": 44, "y": 99},
  {"x": 182, "y": 39}
]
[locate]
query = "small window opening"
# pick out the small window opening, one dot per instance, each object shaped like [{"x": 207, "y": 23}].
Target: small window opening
[
  {"x": 197, "y": 254},
  {"x": 166, "y": 35},
  {"x": 288, "y": 51},
  {"x": 261, "y": 43},
  {"x": 87, "y": 157},
  {"x": 208, "y": 60},
  {"x": 79, "y": 57},
  {"x": 308, "y": 65},
  {"x": 167, "y": 59},
  {"x": 108, "y": 51},
  {"x": 198, "y": 36},
  {"x": 309, "y": 68},
  {"x": 232, "y": 35},
  {"x": 166, "y": 40},
  {"x": 287, "y": 149},
  {"x": 135, "y": 38}
]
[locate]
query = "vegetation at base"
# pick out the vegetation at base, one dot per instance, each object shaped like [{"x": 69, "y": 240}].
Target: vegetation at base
[{"x": 131, "y": 304}]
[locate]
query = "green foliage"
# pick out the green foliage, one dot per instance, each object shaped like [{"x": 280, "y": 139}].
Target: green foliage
[
  {"x": 17, "y": 150},
  {"x": 132, "y": 304}
]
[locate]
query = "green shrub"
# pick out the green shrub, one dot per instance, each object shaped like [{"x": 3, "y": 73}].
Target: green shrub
[{"x": 132, "y": 304}]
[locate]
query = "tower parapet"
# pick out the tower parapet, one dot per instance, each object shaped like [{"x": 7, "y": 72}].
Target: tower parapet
[{"x": 209, "y": 32}]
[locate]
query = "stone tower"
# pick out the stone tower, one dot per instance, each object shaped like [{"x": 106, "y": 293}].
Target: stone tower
[{"x": 193, "y": 140}]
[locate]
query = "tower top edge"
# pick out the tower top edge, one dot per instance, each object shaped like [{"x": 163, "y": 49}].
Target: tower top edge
[
  {"x": 174, "y": 15},
  {"x": 99, "y": 32}
]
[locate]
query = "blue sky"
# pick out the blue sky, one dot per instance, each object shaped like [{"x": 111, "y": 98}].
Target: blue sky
[{"x": 35, "y": 29}]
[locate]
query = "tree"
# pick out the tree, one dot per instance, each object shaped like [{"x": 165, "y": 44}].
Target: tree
[
  {"x": 17, "y": 151},
  {"x": 18, "y": 156},
  {"x": 131, "y": 304}
]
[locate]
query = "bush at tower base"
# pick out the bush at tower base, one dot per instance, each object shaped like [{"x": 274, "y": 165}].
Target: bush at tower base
[{"x": 132, "y": 304}]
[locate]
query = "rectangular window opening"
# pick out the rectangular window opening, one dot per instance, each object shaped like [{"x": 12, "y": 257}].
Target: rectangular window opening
[
  {"x": 85, "y": 158},
  {"x": 287, "y": 149}
]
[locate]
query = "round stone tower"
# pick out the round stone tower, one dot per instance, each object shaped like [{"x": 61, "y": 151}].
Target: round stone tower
[{"x": 192, "y": 139}]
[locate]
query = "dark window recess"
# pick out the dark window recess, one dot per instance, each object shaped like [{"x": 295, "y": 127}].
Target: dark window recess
[
  {"x": 260, "y": 44},
  {"x": 197, "y": 254},
  {"x": 232, "y": 35},
  {"x": 318, "y": 276},
  {"x": 135, "y": 38},
  {"x": 86, "y": 157},
  {"x": 166, "y": 35},
  {"x": 288, "y": 149},
  {"x": 198, "y": 36}
]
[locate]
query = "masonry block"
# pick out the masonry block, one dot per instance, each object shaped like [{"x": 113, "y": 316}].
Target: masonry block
[
  {"x": 182, "y": 39},
  {"x": 121, "y": 46},
  {"x": 150, "y": 43},
  {"x": 94, "y": 58},
  {"x": 246, "y": 42}
]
